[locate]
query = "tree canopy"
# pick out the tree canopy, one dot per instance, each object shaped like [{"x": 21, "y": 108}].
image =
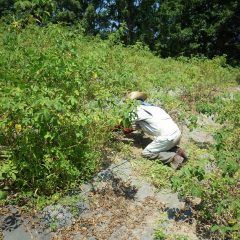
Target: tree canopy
[{"x": 169, "y": 27}]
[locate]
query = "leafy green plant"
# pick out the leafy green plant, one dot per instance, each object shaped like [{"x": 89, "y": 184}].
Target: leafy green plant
[
  {"x": 61, "y": 94},
  {"x": 159, "y": 235},
  {"x": 57, "y": 113}
]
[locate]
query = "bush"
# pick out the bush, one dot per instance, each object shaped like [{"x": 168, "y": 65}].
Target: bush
[
  {"x": 57, "y": 109},
  {"x": 218, "y": 188}
]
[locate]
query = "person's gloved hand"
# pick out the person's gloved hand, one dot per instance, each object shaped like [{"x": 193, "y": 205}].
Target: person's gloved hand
[
  {"x": 127, "y": 130},
  {"x": 117, "y": 128}
]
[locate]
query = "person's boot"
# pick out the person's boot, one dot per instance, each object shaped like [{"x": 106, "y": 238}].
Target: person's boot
[
  {"x": 182, "y": 153},
  {"x": 177, "y": 162}
]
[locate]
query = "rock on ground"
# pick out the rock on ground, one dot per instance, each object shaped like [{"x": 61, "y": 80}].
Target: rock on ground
[
  {"x": 118, "y": 205},
  {"x": 126, "y": 207}
]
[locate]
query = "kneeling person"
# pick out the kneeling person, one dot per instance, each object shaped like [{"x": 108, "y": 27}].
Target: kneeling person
[{"x": 156, "y": 122}]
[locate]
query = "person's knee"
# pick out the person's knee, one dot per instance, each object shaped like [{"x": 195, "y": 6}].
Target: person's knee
[
  {"x": 150, "y": 155},
  {"x": 145, "y": 153}
]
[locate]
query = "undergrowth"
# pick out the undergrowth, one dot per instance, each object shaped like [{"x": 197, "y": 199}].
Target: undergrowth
[{"x": 61, "y": 96}]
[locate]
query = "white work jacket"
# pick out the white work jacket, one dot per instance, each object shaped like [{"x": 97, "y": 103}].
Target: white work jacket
[{"x": 155, "y": 121}]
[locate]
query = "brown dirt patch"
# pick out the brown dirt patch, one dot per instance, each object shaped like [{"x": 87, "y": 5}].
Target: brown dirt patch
[{"x": 114, "y": 216}]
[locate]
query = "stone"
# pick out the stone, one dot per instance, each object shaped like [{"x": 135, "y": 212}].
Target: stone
[
  {"x": 18, "y": 234},
  {"x": 204, "y": 120},
  {"x": 201, "y": 137},
  {"x": 206, "y": 156},
  {"x": 11, "y": 222},
  {"x": 210, "y": 167},
  {"x": 82, "y": 206},
  {"x": 144, "y": 191},
  {"x": 21, "y": 230},
  {"x": 123, "y": 170},
  {"x": 169, "y": 199},
  {"x": 195, "y": 201},
  {"x": 104, "y": 175},
  {"x": 86, "y": 188},
  {"x": 56, "y": 214},
  {"x": 99, "y": 186}
]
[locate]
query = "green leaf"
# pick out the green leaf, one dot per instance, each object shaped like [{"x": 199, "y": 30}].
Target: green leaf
[{"x": 3, "y": 195}]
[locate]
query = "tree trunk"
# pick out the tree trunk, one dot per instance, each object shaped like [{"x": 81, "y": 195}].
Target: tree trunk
[{"x": 130, "y": 21}]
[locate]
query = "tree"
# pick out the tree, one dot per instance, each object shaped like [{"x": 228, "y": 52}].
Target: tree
[
  {"x": 196, "y": 27},
  {"x": 169, "y": 27},
  {"x": 147, "y": 21},
  {"x": 5, "y": 6}
]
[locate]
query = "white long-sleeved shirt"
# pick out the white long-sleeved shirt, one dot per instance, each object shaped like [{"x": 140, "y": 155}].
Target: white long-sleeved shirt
[{"x": 155, "y": 121}]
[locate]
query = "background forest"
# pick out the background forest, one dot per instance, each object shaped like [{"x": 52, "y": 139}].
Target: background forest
[{"x": 168, "y": 27}]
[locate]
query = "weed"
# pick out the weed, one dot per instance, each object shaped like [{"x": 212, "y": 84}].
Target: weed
[{"x": 61, "y": 96}]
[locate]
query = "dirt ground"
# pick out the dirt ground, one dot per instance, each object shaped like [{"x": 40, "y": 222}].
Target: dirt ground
[{"x": 127, "y": 207}]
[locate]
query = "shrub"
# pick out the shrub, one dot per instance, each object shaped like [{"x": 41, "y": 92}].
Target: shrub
[{"x": 57, "y": 109}]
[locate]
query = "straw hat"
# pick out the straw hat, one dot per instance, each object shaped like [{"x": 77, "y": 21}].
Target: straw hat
[{"x": 136, "y": 95}]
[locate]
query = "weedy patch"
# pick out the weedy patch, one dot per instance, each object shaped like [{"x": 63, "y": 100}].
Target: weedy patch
[
  {"x": 156, "y": 173},
  {"x": 62, "y": 96}
]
